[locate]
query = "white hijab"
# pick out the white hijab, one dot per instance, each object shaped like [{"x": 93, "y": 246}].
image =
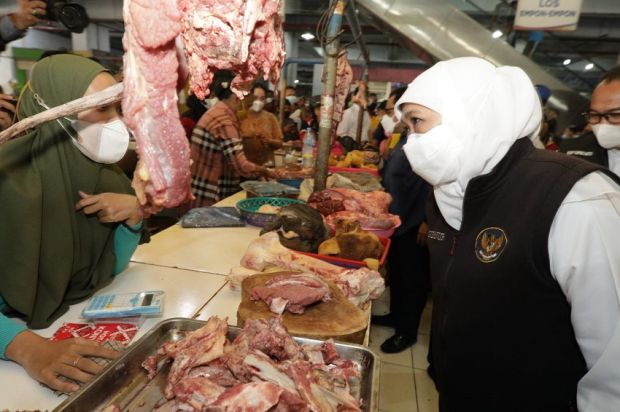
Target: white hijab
[{"x": 487, "y": 108}]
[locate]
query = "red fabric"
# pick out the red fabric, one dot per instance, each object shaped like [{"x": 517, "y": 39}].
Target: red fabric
[{"x": 188, "y": 124}]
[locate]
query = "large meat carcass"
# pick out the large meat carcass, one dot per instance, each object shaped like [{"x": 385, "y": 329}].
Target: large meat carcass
[{"x": 244, "y": 36}]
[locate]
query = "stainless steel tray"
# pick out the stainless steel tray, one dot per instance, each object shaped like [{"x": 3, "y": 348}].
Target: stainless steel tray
[{"x": 124, "y": 383}]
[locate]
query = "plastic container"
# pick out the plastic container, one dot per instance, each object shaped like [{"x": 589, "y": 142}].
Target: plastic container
[
  {"x": 248, "y": 208},
  {"x": 296, "y": 183},
  {"x": 307, "y": 151}
]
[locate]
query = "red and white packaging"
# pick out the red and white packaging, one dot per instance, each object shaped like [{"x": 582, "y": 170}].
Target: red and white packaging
[{"x": 102, "y": 332}]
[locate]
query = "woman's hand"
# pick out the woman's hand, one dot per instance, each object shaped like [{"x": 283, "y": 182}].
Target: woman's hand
[
  {"x": 46, "y": 360},
  {"x": 267, "y": 173},
  {"x": 111, "y": 207},
  {"x": 422, "y": 234}
]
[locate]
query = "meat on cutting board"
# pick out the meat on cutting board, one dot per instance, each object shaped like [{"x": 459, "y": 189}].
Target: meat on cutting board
[
  {"x": 292, "y": 292},
  {"x": 358, "y": 285}
]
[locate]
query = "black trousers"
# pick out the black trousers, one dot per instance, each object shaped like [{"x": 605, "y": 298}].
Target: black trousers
[{"x": 409, "y": 280}]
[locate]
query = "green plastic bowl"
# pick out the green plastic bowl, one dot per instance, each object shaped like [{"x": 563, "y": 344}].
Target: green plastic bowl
[{"x": 248, "y": 209}]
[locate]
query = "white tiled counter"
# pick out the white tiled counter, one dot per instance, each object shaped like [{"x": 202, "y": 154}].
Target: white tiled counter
[
  {"x": 186, "y": 292},
  {"x": 211, "y": 250}
]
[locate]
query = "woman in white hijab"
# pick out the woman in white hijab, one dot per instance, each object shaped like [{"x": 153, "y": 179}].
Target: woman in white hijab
[{"x": 524, "y": 249}]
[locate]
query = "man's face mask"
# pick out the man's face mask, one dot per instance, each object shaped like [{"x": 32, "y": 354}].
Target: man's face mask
[
  {"x": 607, "y": 135},
  {"x": 102, "y": 142}
]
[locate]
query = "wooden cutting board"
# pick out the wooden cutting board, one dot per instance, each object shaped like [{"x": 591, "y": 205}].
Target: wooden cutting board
[{"x": 338, "y": 319}]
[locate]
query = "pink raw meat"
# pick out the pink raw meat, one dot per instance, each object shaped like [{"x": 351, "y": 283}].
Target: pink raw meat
[
  {"x": 359, "y": 285},
  {"x": 162, "y": 178},
  {"x": 244, "y": 36},
  {"x": 292, "y": 292}
]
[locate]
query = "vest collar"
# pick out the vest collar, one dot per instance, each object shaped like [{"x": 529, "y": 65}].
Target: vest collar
[{"x": 482, "y": 185}]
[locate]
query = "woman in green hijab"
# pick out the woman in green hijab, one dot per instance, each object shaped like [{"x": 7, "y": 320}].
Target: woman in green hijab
[{"x": 69, "y": 219}]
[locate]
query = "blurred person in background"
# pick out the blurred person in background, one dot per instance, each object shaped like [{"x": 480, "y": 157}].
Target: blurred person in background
[
  {"x": 195, "y": 110},
  {"x": 260, "y": 130},
  {"x": 290, "y": 132},
  {"x": 348, "y": 125},
  {"x": 603, "y": 119},
  {"x": 218, "y": 160},
  {"x": 389, "y": 121},
  {"x": 408, "y": 269},
  {"x": 271, "y": 104}
]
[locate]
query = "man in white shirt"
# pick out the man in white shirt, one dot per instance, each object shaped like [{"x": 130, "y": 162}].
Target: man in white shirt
[
  {"x": 604, "y": 116},
  {"x": 348, "y": 124}
]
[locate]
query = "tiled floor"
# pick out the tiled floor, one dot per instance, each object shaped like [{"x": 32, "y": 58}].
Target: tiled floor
[{"x": 404, "y": 385}]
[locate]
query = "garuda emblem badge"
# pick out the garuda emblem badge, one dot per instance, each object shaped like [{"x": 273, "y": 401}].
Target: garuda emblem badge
[{"x": 490, "y": 243}]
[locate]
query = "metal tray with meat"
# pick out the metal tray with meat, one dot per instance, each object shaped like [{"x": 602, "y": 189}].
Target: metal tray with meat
[{"x": 125, "y": 386}]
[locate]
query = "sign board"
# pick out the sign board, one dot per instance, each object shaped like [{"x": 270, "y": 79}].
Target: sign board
[{"x": 552, "y": 15}]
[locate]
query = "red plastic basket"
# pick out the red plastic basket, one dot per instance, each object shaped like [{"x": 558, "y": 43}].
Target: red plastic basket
[{"x": 348, "y": 263}]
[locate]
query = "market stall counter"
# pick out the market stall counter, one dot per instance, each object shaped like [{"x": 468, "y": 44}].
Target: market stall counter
[
  {"x": 185, "y": 293},
  {"x": 211, "y": 250}
]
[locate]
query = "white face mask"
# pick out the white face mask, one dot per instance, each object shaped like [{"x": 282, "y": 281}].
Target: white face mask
[
  {"x": 434, "y": 155},
  {"x": 292, "y": 99},
  {"x": 608, "y": 135},
  {"x": 388, "y": 124},
  {"x": 257, "y": 105},
  {"x": 269, "y": 100},
  {"x": 102, "y": 142}
]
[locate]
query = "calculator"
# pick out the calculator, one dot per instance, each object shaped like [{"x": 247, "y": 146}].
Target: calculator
[{"x": 124, "y": 304}]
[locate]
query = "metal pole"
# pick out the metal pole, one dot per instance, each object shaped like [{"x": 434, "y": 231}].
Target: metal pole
[{"x": 327, "y": 98}]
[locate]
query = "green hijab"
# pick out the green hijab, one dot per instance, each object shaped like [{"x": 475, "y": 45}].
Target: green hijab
[{"x": 50, "y": 255}]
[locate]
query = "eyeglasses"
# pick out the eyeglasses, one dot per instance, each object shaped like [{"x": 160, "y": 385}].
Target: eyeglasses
[{"x": 593, "y": 117}]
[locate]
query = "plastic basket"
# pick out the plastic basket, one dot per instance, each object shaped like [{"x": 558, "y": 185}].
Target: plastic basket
[{"x": 248, "y": 208}]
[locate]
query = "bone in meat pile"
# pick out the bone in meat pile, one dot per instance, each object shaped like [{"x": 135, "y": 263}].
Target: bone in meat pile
[
  {"x": 292, "y": 292},
  {"x": 262, "y": 369},
  {"x": 244, "y": 36}
]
